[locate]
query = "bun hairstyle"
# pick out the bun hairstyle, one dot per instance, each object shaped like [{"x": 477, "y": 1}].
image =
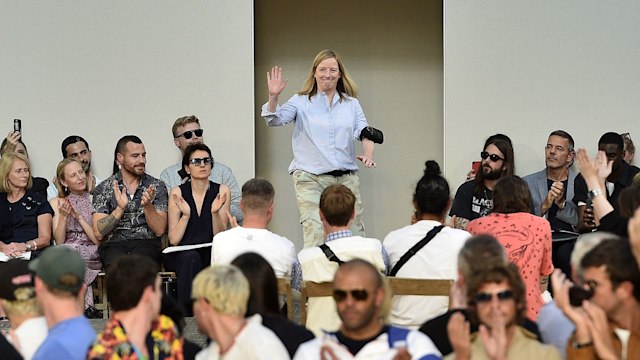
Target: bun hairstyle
[{"x": 432, "y": 192}]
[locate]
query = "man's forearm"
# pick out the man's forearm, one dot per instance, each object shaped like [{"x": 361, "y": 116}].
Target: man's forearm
[
  {"x": 107, "y": 224},
  {"x": 157, "y": 221}
]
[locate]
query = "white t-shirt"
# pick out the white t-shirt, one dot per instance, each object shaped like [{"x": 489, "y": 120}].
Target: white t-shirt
[
  {"x": 31, "y": 333},
  {"x": 277, "y": 250},
  {"x": 436, "y": 260}
]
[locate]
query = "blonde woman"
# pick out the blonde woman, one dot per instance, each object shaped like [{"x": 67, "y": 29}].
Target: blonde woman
[{"x": 72, "y": 221}]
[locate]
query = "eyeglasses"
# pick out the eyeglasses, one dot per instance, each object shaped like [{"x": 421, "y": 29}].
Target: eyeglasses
[
  {"x": 486, "y": 297},
  {"x": 357, "y": 294},
  {"x": 199, "y": 161},
  {"x": 484, "y": 155},
  {"x": 189, "y": 134}
]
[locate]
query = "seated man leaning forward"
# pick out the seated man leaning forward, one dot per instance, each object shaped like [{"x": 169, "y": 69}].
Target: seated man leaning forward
[
  {"x": 363, "y": 303},
  {"x": 130, "y": 207},
  {"x": 253, "y": 236},
  {"x": 319, "y": 263},
  {"x": 220, "y": 295},
  {"x": 186, "y": 131},
  {"x": 497, "y": 302}
]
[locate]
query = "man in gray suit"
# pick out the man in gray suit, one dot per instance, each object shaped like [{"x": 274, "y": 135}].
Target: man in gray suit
[{"x": 550, "y": 188}]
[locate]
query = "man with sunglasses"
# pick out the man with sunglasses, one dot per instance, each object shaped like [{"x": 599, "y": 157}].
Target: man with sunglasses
[
  {"x": 610, "y": 321},
  {"x": 621, "y": 177},
  {"x": 363, "y": 305},
  {"x": 474, "y": 199},
  {"x": 186, "y": 131},
  {"x": 497, "y": 302}
]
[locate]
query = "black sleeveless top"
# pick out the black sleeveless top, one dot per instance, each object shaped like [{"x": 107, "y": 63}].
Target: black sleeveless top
[{"x": 200, "y": 227}]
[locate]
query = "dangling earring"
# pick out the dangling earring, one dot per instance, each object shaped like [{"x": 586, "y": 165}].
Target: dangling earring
[{"x": 66, "y": 190}]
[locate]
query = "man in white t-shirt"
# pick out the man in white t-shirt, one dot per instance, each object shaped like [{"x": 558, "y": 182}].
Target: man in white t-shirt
[{"x": 253, "y": 236}]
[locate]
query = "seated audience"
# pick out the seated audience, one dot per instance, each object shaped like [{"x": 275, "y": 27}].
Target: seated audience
[
  {"x": 13, "y": 143},
  {"x": 363, "y": 300},
  {"x": 474, "y": 199},
  {"x": 60, "y": 292},
  {"x": 611, "y": 274},
  {"x": 18, "y": 298},
  {"x": 220, "y": 295},
  {"x": 263, "y": 300},
  {"x": 198, "y": 210},
  {"x": 257, "y": 209},
  {"x": 136, "y": 328},
  {"x": 620, "y": 177},
  {"x": 550, "y": 188},
  {"x": 30, "y": 214},
  {"x": 525, "y": 237},
  {"x": 430, "y": 249},
  {"x": 72, "y": 222},
  {"x": 130, "y": 207},
  {"x": 606, "y": 217},
  {"x": 497, "y": 302},
  {"x": 76, "y": 148},
  {"x": 186, "y": 131},
  {"x": 319, "y": 263},
  {"x": 555, "y": 328}
]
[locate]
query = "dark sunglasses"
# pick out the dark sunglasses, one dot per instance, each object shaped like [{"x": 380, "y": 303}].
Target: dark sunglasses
[
  {"x": 486, "y": 297},
  {"x": 356, "y": 294},
  {"x": 189, "y": 133},
  {"x": 484, "y": 155},
  {"x": 198, "y": 161}
]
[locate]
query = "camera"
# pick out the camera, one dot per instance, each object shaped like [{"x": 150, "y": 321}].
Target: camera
[{"x": 578, "y": 294}]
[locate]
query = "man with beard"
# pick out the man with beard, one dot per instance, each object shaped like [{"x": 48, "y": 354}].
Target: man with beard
[
  {"x": 363, "y": 303},
  {"x": 130, "y": 206},
  {"x": 474, "y": 199},
  {"x": 77, "y": 148},
  {"x": 550, "y": 188},
  {"x": 621, "y": 177}
]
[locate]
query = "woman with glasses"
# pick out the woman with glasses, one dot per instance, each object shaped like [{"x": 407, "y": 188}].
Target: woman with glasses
[
  {"x": 72, "y": 222},
  {"x": 198, "y": 209},
  {"x": 525, "y": 237}
]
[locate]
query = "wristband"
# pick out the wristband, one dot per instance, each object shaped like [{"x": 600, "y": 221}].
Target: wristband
[
  {"x": 577, "y": 345},
  {"x": 593, "y": 193}
]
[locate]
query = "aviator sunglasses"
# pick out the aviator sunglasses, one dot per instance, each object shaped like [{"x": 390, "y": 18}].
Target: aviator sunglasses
[
  {"x": 357, "y": 294},
  {"x": 198, "y": 161},
  {"x": 484, "y": 155},
  {"x": 189, "y": 133},
  {"x": 486, "y": 297}
]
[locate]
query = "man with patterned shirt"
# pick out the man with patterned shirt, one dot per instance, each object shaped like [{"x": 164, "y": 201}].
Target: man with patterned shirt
[
  {"x": 135, "y": 294},
  {"x": 130, "y": 206},
  {"x": 186, "y": 131}
]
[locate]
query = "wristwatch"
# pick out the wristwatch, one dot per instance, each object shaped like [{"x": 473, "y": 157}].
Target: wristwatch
[
  {"x": 593, "y": 193},
  {"x": 577, "y": 345},
  {"x": 28, "y": 246}
]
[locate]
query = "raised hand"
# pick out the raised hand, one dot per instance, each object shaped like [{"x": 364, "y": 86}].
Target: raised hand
[
  {"x": 148, "y": 195},
  {"x": 275, "y": 82},
  {"x": 182, "y": 204},
  {"x": 495, "y": 339},
  {"x": 122, "y": 199},
  {"x": 366, "y": 160},
  {"x": 218, "y": 202},
  {"x": 458, "y": 330},
  {"x": 12, "y": 140},
  {"x": 67, "y": 209}
]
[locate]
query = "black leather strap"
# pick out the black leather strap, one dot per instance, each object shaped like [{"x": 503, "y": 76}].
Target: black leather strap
[
  {"x": 414, "y": 249},
  {"x": 330, "y": 254}
]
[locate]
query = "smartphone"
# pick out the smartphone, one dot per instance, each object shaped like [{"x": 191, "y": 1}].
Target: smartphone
[
  {"x": 17, "y": 125},
  {"x": 578, "y": 294},
  {"x": 475, "y": 166}
]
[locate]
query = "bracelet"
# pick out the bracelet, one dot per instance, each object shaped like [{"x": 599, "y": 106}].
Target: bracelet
[
  {"x": 35, "y": 246},
  {"x": 577, "y": 345},
  {"x": 27, "y": 246},
  {"x": 593, "y": 193}
]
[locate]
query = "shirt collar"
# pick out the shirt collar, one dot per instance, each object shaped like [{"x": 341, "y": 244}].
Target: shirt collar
[{"x": 338, "y": 235}]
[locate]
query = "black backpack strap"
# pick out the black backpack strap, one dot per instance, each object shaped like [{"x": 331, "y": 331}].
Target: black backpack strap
[
  {"x": 330, "y": 254},
  {"x": 409, "y": 254}
]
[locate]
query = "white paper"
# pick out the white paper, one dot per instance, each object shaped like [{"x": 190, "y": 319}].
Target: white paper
[
  {"x": 25, "y": 256},
  {"x": 171, "y": 249}
]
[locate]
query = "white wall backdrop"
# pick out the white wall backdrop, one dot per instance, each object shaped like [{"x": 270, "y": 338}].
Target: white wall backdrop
[
  {"x": 526, "y": 68},
  {"x": 104, "y": 69}
]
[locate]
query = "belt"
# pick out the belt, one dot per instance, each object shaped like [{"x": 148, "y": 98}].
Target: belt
[{"x": 336, "y": 173}]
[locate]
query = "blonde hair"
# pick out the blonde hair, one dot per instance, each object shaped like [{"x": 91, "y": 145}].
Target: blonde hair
[
  {"x": 21, "y": 307},
  {"x": 225, "y": 288},
  {"x": 62, "y": 191},
  {"x": 6, "y": 162},
  {"x": 182, "y": 122},
  {"x": 345, "y": 84}
]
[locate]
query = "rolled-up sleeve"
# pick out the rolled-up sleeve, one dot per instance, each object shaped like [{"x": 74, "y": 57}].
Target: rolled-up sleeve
[
  {"x": 360, "y": 119},
  {"x": 283, "y": 115}
]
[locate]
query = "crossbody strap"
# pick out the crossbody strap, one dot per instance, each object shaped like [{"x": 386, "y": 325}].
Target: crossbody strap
[
  {"x": 330, "y": 254},
  {"x": 415, "y": 248}
]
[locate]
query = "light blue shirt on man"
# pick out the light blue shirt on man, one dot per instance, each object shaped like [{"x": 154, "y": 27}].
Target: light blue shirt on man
[
  {"x": 323, "y": 135},
  {"x": 69, "y": 339}
]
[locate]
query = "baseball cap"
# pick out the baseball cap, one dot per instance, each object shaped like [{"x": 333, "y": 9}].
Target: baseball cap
[
  {"x": 55, "y": 263},
  {"x": 16, "y": 281}
]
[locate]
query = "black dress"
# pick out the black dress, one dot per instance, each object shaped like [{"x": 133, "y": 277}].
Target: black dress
[{"x": 24, "y": 216}]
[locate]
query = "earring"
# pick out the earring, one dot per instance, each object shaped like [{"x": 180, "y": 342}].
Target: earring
[{"x": 65, "y": 189}]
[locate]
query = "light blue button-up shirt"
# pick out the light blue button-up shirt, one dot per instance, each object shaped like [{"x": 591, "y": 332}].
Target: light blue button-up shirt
[{"x": 323, "y": 137}]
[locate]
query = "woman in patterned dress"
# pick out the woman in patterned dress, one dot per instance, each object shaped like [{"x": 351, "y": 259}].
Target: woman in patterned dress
[{"x": 72, "y": 220}]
